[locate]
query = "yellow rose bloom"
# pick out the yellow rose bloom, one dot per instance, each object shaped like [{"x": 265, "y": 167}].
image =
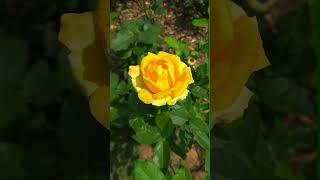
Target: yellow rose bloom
[
  {"x": 237, "y": 53},
  {"x": 86, "y": 36},
  {"x": 161, "y": 79}
]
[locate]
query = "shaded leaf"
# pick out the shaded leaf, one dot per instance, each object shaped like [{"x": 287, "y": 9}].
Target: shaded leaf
[
  {"x": 145, "y": 133},
  {"x": 162, "y": 154},
  {"x": 202, "y": 22},
  {"x": 183, "y": 174},
  {"x": 144, "y": 170},
  {"x": 179, "y": 115},
  {"x": 122, "y": 40},
  {"x": 165, "y": 124}
]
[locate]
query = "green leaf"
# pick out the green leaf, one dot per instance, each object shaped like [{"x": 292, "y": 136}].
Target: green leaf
[
  {"x": 199, "y": 92},
  {"x": 207, "y": 161},
  {"x": 150, "y": 33},
  {"x": 282, "y": 94},
  {"x": 194, "y": 54},
  {"x": 200, "y": 124},
  {"x": 179, "y": 115},
  {"x": 122, "y": 40},
  {"x": 132, "y": 26},
  {"x": 162, "y": 154},
  {"x": 200, "y": 135},
  {"x": 139, "y": 50},
  {"x": 114, "y": 113},
  {"x": 114, "y": 80},
  {"x": 41, "y": 84},
  {"x": 183, "y": 174},
  {"x": 202, "y": 22},
  {"x": 117, "y": 87},
  {"x": 248, "y": 129},
  {"x": 168, "y": 176},
  {"x": 165, "y": 124},
  {"x": 179, "y": 53},
  {"x": 229, "y": 157},
  {"x": 144, "y": 170},
  {"x": 285, "y": 142},
  {"x": 290, "y": 49},
  {"x": 172, "y": 42},
  {"x": 125, "y": 54},
  {"x": 183, "y": 47},
  {"x": 180, "y": 47},
  {"x": 145, "y": 133},
  {"x": 114, "y": 15}
]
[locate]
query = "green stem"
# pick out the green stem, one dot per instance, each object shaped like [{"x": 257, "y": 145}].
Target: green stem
[
  {"x": 142, "y": 6},
  {"x": 174, "y": 172}
]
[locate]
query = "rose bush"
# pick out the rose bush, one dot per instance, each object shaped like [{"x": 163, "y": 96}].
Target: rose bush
[{"x": 157, "y": 99}]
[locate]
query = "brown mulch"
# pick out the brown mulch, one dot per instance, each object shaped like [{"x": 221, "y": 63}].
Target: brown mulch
[
  {"x": 194, "y": 161},
  {"x": 176, "y": 23}
]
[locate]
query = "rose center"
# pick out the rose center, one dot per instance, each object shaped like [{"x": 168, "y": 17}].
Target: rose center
[{"x": 160, "y": 67}]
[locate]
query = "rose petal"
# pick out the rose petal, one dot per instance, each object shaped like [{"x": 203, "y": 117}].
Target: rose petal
[
  {"x": 236, "y": 109},
  {"x": 242, "y": 57},
  {"x": 134, "y": 71},
  {"x": 181, "y": 97},
  {"x": 75, "y": 59},
  {"x": 182, "y": 83},
  {"x": 223, "y": 24},
  {"x": 145, "y": 96},
  {"x": 95, "y": 64},
  {"x": 161, "y": 102},
  {"x": 77, "y": 30},
  {"x": 153, "y": 87},
  {"x": 162, "y": 94},
  {"x": 99, "y": 106},
  {"x": 147, "y": 59},
  {"x": 176, "y": 61}
]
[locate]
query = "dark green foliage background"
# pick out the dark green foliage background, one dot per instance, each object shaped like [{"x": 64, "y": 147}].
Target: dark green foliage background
[
  {"x": 46, "y": 129},
  {"x": 260, "y": 144}
]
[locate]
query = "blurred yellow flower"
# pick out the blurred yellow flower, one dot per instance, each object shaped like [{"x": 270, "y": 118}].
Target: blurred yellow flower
[
  {"x": 86, "y": 36},
  {"x": 161, "y": 79},
  {"x": 238, "y": 52}
]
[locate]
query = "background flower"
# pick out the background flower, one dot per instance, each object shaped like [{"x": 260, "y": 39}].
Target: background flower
[
  {"x": 85, "y": 35},
  {"x": 238, "y": 53}
]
